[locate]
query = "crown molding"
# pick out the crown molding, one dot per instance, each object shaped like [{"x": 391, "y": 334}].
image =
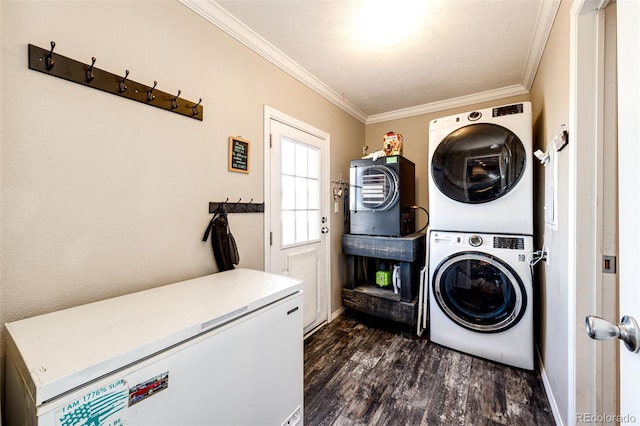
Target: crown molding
[
  {"x": 489, "y": 95},
  {"x": 222, "y": 19},
  {"x": 219, "y": 17},
  {"x": 544, "y": 23}
]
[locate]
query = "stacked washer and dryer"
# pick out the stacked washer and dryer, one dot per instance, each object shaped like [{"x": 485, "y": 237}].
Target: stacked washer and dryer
[{"x": 480, "y": 290}]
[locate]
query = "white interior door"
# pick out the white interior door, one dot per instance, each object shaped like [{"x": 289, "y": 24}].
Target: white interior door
[
  {"x": 629, "y": 199},
  {"x": 298, "y": 221},
  {"x": 628, "y": 34}
]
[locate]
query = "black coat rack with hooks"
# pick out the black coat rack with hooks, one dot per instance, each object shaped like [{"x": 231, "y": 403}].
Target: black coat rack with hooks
[
  {"x": 237, "y": 207},
  {"x": 48, "y": 62}
]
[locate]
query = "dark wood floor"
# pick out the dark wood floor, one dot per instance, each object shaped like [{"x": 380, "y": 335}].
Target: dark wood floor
[{"x": 359, "y": 370}]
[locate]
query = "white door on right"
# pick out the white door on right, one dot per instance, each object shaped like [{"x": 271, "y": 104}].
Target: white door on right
[
  {"x": 627, "y": 328},
  {"x": 629, "y": 196}
]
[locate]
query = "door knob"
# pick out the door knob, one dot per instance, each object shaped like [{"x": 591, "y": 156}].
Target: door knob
[
  {"x": 325, "y": 230},
  {"x": 627, "y": 331}
]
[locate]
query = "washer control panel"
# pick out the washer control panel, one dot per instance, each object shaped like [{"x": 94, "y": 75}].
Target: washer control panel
[
  {"x": 480, "y": 240},
  {"x": 514, "y": 243}
]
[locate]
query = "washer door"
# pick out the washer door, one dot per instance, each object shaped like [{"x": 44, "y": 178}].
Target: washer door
[
  {"x": 479, "y": 292},
  {"x": 376, "y": 188},
  {"x": 478, "y": 163}
]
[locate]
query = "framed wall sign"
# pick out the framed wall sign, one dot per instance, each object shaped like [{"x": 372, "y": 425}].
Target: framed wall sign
[{"x": 239, "y": 150}]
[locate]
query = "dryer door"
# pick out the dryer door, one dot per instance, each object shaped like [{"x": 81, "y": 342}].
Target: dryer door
[
  {"x": 375, "y": 189},
  {"x": 479, "y": 292},
  {"x": 478, "y": 163}
]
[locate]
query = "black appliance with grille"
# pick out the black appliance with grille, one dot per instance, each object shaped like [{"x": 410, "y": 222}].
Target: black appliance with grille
[{"x": 382, "y": 195}]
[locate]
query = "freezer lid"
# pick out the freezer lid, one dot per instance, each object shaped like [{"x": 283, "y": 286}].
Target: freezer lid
[{"x": 62, "y": 350}]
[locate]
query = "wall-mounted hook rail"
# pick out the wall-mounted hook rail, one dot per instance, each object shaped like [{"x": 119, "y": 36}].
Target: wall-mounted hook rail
[
  {"x": 90, "y": 75},
  {"x": 123, "y": 86},
  {"x": 339, "y": 187},
  {"x": 194, "y": 110},
  {"x": 150, "y": 95},
  {"x": 43, "y": 60},
  {"x": 49, "y": 61},
  {"x": 174, "y": 101},
  {"x": 233, "y": 207}
]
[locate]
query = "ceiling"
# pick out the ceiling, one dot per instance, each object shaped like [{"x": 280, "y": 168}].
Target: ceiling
[{"x": 459, "y": 52}]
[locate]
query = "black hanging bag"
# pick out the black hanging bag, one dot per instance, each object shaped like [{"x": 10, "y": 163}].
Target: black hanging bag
[{"x": 224, "y": 246}]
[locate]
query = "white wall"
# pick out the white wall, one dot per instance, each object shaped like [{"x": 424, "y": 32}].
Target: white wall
[{"x": 103, "y": 196}]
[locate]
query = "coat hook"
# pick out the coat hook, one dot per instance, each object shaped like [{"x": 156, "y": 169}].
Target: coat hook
[
  {"x": 251, "y": 201},
  {"x": 122, "y": 85},
  {"x": 174, "y": 101},
  {"x": 49, "y": 62},
  {"x": 150, "y": 95},
  {"x": 90, "y": 70},
  {"x": 239, "y": 199},
  {"x": 194, "y": 109}
]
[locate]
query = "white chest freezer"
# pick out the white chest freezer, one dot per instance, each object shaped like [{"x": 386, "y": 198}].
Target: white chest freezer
[{"x": 224, "y": 349}]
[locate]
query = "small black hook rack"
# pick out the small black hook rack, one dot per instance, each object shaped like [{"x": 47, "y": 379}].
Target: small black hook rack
[
  {"x": 123, "y": 86},
  {"x": 48, "y": 62},
  {"x": 237, "y": 207},
  {"x": 339, "y": 187},
  {"x": 90, "y": 70}
]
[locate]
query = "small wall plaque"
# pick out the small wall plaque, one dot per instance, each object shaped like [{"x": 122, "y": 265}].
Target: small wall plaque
[{"x": 239, "y": 154}]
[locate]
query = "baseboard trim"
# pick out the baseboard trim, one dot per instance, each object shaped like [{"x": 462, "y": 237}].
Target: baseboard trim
[
  {"x": 338, "y": 312},
  {"x": 548, "y": 391},
  {"x": 333, "y": 316}
]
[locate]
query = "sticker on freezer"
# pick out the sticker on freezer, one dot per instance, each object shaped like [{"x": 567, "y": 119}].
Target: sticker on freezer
[
  {"x": 103, "y": 406},
  {"x": 149, "y": 388}
]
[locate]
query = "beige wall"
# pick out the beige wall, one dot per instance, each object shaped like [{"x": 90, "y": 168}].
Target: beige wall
[
  {"x": 550, "y": 101},
  {"x": 103, "y": 196}
]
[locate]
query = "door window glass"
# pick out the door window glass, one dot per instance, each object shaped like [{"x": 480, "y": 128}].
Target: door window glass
[
  {"x": 478, "y": 163},
  {"x": 300, "y": 200}
]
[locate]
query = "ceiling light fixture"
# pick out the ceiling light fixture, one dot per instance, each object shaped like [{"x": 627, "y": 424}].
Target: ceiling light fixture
[{"x": 387, "y": 22}]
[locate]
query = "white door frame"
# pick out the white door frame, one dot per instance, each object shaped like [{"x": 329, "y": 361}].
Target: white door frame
[
  {"x": 273, "y": 114},
  {"x": 584, "y": 252}
]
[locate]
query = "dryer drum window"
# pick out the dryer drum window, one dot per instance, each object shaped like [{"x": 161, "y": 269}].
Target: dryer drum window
[
  {"x": 479, "y": 292},
  {"x": 478, "y": 163}
]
